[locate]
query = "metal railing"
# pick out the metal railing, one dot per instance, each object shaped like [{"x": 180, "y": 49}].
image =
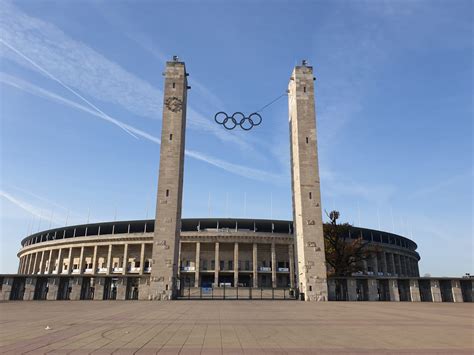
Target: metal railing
[{"x": 237, "y": 293}]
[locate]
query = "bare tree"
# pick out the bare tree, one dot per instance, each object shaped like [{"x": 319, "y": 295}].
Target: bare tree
[{"x": 344, "y": 253}]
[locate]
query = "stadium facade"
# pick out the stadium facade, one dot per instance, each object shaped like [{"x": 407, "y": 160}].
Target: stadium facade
[{"x": 169, "y": 257}]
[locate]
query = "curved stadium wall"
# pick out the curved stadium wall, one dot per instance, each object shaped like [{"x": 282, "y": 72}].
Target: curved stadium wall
[{"x": 245, "y": 249}]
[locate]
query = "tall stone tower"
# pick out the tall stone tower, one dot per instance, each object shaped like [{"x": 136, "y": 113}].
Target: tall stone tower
[
  {"x": 307, "y": 213},
  {"x": 163, "y": 281}
]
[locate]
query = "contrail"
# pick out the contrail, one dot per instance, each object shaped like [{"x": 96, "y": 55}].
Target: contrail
[
  {"x": 250, "y": 173},
  {"x": 51, "y": 76}
]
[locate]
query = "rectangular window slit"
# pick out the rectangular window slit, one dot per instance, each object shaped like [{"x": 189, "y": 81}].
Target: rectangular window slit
[
  {"x": 310, "y": 195},
  {"x": 174, "y": 85},
  {"x": 171, "y": 137},
  {"x": 307, "y": 140},
  {"x": 304, "y": 88},
  {"x": 167, "y": 193}
]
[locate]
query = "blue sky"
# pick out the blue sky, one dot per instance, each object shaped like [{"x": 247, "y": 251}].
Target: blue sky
[{"x": 81, "y": 98}]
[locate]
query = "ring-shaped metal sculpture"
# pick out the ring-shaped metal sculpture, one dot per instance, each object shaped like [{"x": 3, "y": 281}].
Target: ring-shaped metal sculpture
[{"x": 238, "y": 119}]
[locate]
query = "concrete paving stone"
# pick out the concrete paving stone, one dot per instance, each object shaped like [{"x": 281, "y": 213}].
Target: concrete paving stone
[{"x": 235, "y": 327}]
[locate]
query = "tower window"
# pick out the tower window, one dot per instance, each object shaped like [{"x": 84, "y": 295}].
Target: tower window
[
  {"x": 174, "y": 85},
  {"x": 310, "y": 195},
  {"x": 304, "y": 88},
  {"x": 307, "y": 140},
  {"x": 167, "y": 193},
  {"x": 171, "y": 137}
]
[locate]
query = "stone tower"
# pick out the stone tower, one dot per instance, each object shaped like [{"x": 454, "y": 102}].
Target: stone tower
[
  {"x": 163, "y": 281},
  {"x": 307, "y": 213}
]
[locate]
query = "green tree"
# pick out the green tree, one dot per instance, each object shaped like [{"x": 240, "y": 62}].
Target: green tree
[{"x": 344, "y": 253}]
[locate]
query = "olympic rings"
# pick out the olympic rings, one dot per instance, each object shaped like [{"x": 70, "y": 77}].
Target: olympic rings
[{"x": 238, "y": 119}]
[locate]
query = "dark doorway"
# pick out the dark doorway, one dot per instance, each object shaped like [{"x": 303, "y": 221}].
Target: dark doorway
[
  {"x": 425, "y": 290},
  {"x": 110, "y": 288},
  {"x": 87, "y": 290},
  {"x": 446, "y": 290},
  {"x": 64, "y": 288},
  {"x": 466, "y": 289},
  {"x": 207, "y": 280},
  {"x": 245, "y": 280},
  {"x": 227, "y": 280},
  {"x": 18, "y": 289},
  {"x": 362, "y": 289},
  {"x": 383, "y": 290},
  {"x": 41, "y": 289},
  {"x": 132, "y": 288},
  {"x": 341, "y": 290},
  {"x": 404, "y": 290}
]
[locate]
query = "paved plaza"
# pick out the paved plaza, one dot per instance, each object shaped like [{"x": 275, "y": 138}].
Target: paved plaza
[{"x": 274, "y": 327}]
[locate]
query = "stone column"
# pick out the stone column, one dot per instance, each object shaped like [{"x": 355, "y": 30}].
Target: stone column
[
  {"x": 457, "y": 292},
  {"x": 274, "y": 265},
  {"x": 403, "y": 264},
  {"x": 81, "y": 263},
  {"x": 364, "y": 266},
  {"x": 142, "y": 259},
  {"x": 33, "y": 271},
  {"x": 398, "y": 266},
  {"x": 216, "y": 265},
  {"x": 435, "y": 291},
  {"x": 20, "y": 264},
  {"x": 94, "y": 260},
  {"x": 125, "y": 261},
  {"x": 372, "y": 290},
  {"x": 30, "y": 262},
  {"x": 164, "y": 274},
  {"x": 384, "y": 263},
  {"x": 392, "y": 262},
  {"x": 69, "y": 266},
  {"x": 415, "y": 291},
  {"x": 375, "y": 264},
  {"x": 351, "y": 290},
  {"x": 50, "y": 258},
  {"x": 53, "y": 283},
  {"x": 27, "y": 264},
  {"x": 236, "y": 264},
  {"x": 306, "y": 192},
  {"x": 255, "y": 265},
  {"x": 109, "y": 259},
  {"x": 60, "y": 264},
  {"x": 198, "y": 264},
  {"x": 393, "y": 289},
  {"x": 40, "y": 268},
  {"x": 291, "y": 263}
]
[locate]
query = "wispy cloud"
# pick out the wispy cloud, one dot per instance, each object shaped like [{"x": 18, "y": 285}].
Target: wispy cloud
[
  {"x": 31, "y": 209},
  {"x": 78, "y": 66},
  {"x": 336, "y": 185},
  {"x": 250, "y": 173},
  {"x": 254, "y": 174}
]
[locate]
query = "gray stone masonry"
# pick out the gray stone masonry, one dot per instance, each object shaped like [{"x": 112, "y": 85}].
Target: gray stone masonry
[
  {"x": 307, "y": 213},
  {"x": 75, "y": 294},
  {"x": 415, "y": 291},
  {"x": 393, "y": 289},
  {"x": 6, "y": 289},
  {"x": 99, "y": 289},
  {"x": 372, "y": 288},
  {"x": 163, "y": 279},
  {"x": 457, "y": 292},
  {"x": 351, "y": 290},
  {"x": 29, "y": 289},
  {"x": 435, "y": 291},
  {"x": 52, "y": 289}
]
